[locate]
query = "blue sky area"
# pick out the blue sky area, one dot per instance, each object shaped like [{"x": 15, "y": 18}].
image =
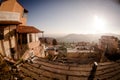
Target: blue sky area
[{"x": 74, "y": 16}]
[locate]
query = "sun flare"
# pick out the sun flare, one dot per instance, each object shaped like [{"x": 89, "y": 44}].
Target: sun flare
[{"x": 99, "y": 25}]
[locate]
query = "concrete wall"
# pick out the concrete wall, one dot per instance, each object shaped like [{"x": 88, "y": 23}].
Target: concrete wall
[
  {"x": 14, "y": 6},
  {"x": 1, "y": 48},
  {"x": 9, "y": 16},
  {"x": 18, "y": 8},
  {"x": 36, "y": 49},
  {"x": 7, "y": 48},
  {"x": 45, "y": 70},
  {"x": 8, "y": 41},
  {"x": 7, "y": 5}
]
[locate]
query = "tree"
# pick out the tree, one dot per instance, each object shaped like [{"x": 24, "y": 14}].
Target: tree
[
  {"x": 45, "y": 41},
  {"x": 54, "y": 42}
]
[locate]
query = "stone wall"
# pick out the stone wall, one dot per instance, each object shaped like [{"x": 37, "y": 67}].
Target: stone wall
[
  {"x": 36, "y": 49},
  {"x": 46, "y": 70},
  {"x": 108, "y": 71}
]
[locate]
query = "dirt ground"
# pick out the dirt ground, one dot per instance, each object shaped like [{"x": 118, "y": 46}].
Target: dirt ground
[{"x": 81, "y": 58}]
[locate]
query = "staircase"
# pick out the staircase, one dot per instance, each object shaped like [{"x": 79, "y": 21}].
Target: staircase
[{"x": 42, "y": 69}]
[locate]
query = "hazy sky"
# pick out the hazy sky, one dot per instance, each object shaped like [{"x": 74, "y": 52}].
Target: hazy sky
[{"x": 74, "y": 16}]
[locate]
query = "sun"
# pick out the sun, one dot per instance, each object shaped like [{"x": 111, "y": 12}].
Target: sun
[{"x": 99, "y": 25}]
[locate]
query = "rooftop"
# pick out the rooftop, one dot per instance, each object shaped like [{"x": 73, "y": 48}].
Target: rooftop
[{"x": 28, "y": 29}]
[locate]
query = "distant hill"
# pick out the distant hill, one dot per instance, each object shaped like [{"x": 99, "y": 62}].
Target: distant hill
[{"x": 84, "y": 37}]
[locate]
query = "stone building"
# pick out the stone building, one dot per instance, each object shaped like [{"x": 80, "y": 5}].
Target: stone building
[
  {"x": 16, "y": 37},
  {"x": 109, "y": 42}
]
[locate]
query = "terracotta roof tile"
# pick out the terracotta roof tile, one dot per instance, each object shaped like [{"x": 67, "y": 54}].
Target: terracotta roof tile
[{"x": 28, "y": 29}]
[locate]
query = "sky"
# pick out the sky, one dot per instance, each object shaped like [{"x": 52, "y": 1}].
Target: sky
[{"x": 74, "y": 16}]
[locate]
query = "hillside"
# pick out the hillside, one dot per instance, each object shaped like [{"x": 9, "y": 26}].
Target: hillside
[{"x": 84, "y": 37}]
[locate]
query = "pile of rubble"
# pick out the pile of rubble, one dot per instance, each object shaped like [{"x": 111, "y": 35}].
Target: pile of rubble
[{"x": 8, "y": 70}]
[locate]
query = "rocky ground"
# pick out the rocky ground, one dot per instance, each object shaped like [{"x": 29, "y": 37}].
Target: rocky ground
[{"x": 8, "y": 71}]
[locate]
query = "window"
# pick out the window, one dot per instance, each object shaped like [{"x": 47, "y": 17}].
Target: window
[
  {"x": 22, "y": 38},
  {"x": 1, "y": 34},
  {"x": 30, "y": 37}
]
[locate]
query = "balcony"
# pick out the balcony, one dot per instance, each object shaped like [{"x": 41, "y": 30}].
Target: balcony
[{"x": 9, "y": 17}]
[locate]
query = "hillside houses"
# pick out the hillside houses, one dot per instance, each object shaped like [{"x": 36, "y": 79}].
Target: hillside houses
[
  {"x": 16, "y": 37},
  {"x": 80, "y": 47}
]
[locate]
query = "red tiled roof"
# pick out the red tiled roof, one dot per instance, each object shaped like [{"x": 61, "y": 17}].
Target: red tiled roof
[
  {"x": 10, "y": 22},
  {"x": 28, "y": 29}
]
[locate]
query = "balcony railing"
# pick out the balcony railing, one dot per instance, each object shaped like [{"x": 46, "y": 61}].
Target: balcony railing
[{"x": 9, "y": 16}]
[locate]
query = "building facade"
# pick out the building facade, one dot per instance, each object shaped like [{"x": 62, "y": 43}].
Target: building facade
[
  {"x": 109, "y": 42},
  {"x": 16, "y": 37}
]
